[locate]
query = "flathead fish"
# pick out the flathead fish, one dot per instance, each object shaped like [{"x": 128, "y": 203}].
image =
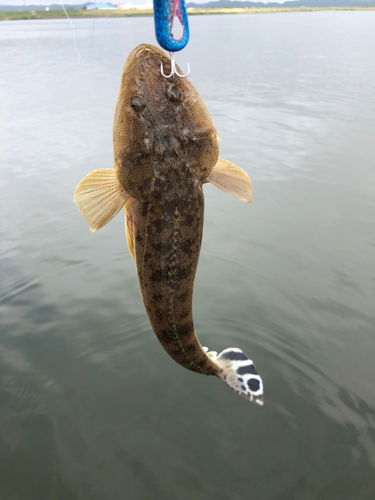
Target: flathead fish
[{"x": 165, "y": 148}]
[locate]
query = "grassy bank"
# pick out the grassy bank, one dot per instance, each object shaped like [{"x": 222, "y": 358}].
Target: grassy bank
[{"x": 57, "y": 14}]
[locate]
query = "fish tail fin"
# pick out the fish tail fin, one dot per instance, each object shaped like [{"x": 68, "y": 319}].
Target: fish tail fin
[{"x": 239, "y": 372}]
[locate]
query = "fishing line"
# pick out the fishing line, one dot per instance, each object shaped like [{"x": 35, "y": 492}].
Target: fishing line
[{"x": 74, "y": 32}]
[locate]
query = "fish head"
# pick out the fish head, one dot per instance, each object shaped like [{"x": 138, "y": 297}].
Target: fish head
[{"x": 161, "y": 124}]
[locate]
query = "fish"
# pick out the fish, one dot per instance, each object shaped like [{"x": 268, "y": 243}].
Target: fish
[{"x": 165, "y": 148}]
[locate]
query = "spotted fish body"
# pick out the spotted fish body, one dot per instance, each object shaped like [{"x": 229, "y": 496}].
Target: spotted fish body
[
  {"x": 167, "y": 241},
  {"x": 165, "y": 149}
]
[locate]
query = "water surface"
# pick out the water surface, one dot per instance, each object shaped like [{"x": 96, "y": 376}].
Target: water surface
[{"x": 91, "y": 407}]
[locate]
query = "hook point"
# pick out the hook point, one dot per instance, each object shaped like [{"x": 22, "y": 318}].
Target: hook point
[{"x": 173, "y": 69}]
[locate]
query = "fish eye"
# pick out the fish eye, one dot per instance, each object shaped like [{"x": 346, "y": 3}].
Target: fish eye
[
  {"x": 174, "y": 94},
  {"x": 137, "y": 103}
]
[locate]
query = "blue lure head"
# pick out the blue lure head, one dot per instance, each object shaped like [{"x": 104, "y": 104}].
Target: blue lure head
[{"x": 165, "y": 12}]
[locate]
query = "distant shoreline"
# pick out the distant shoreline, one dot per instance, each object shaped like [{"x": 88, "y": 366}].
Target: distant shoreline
[{"x": 83, "y": 13}]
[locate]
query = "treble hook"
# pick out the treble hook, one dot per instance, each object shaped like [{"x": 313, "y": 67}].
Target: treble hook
[{"x": 173, "y": 68}]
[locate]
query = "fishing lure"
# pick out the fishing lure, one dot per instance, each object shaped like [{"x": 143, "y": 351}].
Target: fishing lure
[{"x": 165, "y": 12}]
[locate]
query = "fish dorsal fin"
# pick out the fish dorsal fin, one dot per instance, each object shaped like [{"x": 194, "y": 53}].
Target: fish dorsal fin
[
  {"x": 99, "y": 197},
  {"x": 232, "y": 180}
]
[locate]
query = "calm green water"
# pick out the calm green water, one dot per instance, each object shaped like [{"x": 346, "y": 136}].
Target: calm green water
[{"x": 91, "y": 407}]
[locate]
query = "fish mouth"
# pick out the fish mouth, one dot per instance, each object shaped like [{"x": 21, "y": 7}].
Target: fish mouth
[{"x": 144, "y": 51}]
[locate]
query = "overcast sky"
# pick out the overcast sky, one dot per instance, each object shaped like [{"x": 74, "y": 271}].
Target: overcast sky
[{"x": 74, "y": 2}]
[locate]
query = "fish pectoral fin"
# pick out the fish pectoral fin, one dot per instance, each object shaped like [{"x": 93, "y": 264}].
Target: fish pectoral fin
[
  {"x": 232, "y": 180},
  {"x": 129, "y": 227},
  {"x": 99, "y": 197}
]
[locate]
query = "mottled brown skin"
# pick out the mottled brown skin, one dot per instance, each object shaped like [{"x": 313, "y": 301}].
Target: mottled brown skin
[{"x": 165, "y": 146}]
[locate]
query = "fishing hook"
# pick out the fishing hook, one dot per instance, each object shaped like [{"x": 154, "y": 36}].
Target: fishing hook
[{"x": 173, "y": 68}]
